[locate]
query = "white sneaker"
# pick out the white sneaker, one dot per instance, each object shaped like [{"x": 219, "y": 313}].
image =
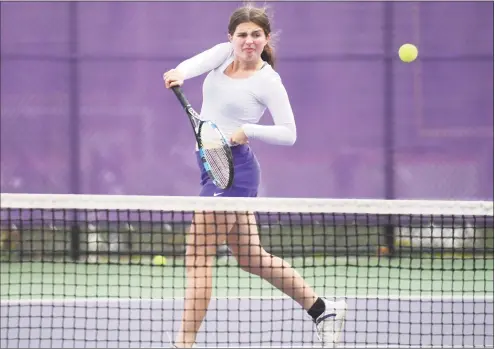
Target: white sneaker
[{"x": 330, "y": 324}]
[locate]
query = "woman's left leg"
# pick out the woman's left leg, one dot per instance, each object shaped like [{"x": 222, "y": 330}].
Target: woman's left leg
[{"x": 245, "y": 244}]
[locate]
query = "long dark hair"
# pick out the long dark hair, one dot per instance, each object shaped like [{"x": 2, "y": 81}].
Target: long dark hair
[{"x": 257, "y": 15}]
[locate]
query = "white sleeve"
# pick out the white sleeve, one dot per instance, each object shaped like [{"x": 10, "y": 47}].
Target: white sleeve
[
  {"x": 283, "y": 132},
  {"x": 205, "y": 61}
]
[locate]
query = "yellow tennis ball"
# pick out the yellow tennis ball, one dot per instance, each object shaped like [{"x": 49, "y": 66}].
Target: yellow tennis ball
[
  {"x": 159, "y": 260},
  {"x": 408, "y": 53}
]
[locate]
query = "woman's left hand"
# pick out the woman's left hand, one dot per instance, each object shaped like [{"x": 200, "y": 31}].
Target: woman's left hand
[{"x": 239, "y": 137}]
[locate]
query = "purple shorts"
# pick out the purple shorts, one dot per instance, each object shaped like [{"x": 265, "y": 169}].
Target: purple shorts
[{"x": 246, "y": 175}]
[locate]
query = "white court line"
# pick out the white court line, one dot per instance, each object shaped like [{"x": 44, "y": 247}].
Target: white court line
[
  {"x": 343, "y": 345},
  {"x": 352, "y": 346},
  {"x": 433, "y": 298},
  {"x": 378, "y": 346}
]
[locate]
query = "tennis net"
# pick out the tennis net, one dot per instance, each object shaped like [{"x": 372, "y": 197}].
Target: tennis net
[{"x": 109, "y": 271}]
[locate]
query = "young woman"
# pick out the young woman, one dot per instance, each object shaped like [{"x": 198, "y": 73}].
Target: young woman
[{"x": 241, "y": 84}]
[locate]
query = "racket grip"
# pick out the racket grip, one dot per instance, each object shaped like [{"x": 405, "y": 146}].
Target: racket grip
[{"x": 180, "y": 95}]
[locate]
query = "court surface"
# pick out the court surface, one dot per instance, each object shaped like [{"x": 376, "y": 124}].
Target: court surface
[{"x": 76, "y": 305}]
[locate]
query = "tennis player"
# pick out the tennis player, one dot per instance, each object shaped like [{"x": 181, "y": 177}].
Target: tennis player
[{"x": 240, "y": 85}]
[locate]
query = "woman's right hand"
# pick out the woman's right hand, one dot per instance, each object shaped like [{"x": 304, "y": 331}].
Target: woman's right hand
[{"x": 173, "y": 78}]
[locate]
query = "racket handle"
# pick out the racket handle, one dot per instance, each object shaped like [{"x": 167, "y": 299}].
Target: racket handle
[{"x": 180, "y": 95}]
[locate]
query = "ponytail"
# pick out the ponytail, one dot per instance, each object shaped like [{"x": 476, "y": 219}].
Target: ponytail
[{"x": 268, "y": 55}]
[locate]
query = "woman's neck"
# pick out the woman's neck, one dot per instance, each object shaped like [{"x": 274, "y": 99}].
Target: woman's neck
[{"x": 238, "y": 65}]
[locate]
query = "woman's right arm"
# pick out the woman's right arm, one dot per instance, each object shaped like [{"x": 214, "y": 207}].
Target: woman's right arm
[{"x": 205, "y": 61}]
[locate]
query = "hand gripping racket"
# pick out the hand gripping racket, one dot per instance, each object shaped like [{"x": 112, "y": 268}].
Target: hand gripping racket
[{"x": 213, "y": 147}]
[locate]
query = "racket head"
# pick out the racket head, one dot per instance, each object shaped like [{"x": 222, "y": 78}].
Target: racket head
[
  {"x": 215, "y": 154},
  {"x": 213, "y": 147}
]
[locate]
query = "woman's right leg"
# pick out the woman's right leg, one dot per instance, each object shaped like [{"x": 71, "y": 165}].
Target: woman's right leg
[{"x": 206, "y": 232}]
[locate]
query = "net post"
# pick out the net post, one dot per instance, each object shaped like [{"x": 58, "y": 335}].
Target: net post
[
  {"x": 390, "y": 238},
  {"x": 75, "y": 240},
  {"x": 22, "y": 253}
]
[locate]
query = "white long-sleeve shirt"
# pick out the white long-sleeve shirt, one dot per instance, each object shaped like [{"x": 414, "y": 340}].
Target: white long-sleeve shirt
[{"x": 233, "y": 103}]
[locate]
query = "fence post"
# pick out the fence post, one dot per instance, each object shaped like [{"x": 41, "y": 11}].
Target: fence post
[
  {"x": 74, "y": 126},
  {"x": 389, "y": 120}
]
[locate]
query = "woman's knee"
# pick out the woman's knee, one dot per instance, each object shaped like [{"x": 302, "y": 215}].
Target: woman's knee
[{"x": 253, "y": 261}]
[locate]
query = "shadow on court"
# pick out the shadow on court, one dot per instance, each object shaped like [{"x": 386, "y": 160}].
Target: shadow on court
[{"x": 114, "y": 323}]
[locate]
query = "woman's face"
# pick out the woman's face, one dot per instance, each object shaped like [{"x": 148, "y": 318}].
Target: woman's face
[{"x": 248, "y": 41}]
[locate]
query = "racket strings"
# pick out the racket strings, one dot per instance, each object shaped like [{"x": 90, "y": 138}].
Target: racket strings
[{"x": 220, "y": 165}]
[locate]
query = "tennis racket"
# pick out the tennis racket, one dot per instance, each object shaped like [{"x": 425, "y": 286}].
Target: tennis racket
[{"x": 213, "y": 147}]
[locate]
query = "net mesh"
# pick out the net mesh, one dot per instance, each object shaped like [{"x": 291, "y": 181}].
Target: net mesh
[{"x": 110, "y": 271}]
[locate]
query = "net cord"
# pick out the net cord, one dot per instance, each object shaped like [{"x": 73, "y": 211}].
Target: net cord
[{"x": 228, "y": 204}]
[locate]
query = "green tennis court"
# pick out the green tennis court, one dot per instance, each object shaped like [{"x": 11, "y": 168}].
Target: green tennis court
[{"x": 341, "y": 276}]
